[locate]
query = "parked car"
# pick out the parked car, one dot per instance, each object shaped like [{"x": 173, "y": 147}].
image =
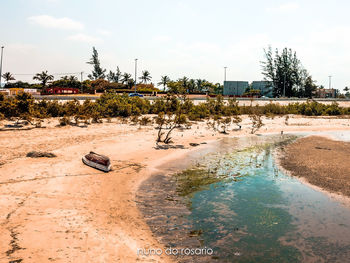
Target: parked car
[{"x": 135, "y": 95}]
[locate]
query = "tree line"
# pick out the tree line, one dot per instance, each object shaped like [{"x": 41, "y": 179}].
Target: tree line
[
  {"x": 283, "y": 70},
  {"x": 101, "y": 81}
]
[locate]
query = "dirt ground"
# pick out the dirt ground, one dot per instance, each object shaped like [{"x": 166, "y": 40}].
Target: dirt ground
[
  {"x": 321, "y": 161},
  {"x": 59, "y": 210}
]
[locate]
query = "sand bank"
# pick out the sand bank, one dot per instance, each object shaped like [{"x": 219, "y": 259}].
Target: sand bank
[{"x": 321, "y": 162}]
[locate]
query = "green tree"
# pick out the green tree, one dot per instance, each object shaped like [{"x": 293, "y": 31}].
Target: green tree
[
  {"x": 310, "y": 87},
  {"x": 164, "y": 81},
  {"x": 146, "y": 76},
  {"x": 114, "y": 76},
  {"x": 176, "y": 88},
  {"x": 98, "y": 72},
  {"x": 284, "y": 70},
  {"x": 43, "y": 77},
  {"x": 125, "y": 78},
  {"x": 111, "y": 76},
  {"x": 67, "y": 82},
  {"x": 131, "y": 83},
  {"x": 8, "y": 76},
  {"x": 347, "y": 94},
  {"x": 184, "y": 83},
  {"x": 199, "y": 84},
  {"x": 191, "y": 86},
  {"x": 118, "y": 75}
]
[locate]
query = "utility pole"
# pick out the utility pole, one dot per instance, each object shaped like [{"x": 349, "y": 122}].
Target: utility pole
[
  {"x": 81, "y": 76},
  {"x": 2, "y": 51},
  {"x": 284, "y": 85},
  {"x": 225, "y": 68},
  {"x": 330, "y": 82},
  {"x": 135, "y": 73}
]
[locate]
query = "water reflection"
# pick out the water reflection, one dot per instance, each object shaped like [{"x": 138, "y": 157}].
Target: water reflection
[{"x": 262, "y": 215}]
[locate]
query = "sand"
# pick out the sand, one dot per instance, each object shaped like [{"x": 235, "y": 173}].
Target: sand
[
  {"x": 321, "y": 162},
  {"x": 59, "y": 210}
]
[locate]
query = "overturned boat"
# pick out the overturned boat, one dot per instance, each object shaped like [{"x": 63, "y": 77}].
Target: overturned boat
[{"x": 97, "y": 161}]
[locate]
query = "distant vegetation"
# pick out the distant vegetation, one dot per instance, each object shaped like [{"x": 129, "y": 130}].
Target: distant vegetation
[
  {"x": 285, "y": 71},
  {"x": 282, "y": 70},
  {"x": 113, "y": 105},
  {"x": 100, "y": 81}
]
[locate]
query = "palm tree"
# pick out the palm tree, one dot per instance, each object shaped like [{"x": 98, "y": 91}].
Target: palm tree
[
  {"x": 72, "y": 78},
  {"x": 199, "y": 84},
  {"x": 164, "y": 81},
  {"x": 184, "y": 82},
  {"x": 43, "y": 77},
  {"x": 131, "y": 83},
  {"x": 191, "y": 85},
  {"x": 146, "y": 76},
  {"x": 125, "y": 78},
  {"x": 8, "y": 76}
]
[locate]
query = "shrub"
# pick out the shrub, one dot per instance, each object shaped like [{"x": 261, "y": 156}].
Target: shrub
[
  {"x": 145, "y": 121},
  {"x": 64, "y": 121}
]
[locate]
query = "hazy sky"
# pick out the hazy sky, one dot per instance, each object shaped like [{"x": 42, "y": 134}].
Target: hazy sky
[{"x": 196, "y": 38}]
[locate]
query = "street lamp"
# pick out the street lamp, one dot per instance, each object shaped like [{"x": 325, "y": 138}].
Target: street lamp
[
  {"x": 2, "y": 51},
  {"x": 284, "y": 85},
  {"x": 135, "y": 73},
  {"x": 225, "y": 73}
]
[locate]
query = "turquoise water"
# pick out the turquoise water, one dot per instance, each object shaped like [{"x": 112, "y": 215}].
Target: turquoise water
[{"x": 261, "y": 215}]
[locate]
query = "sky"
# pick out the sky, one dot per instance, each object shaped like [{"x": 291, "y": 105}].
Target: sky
[{"x": 193, "y": 38}]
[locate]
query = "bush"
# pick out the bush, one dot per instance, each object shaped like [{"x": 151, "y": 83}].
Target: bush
[
  {"x": 114, "y": 105},
  {"x": 64, "y": 121}
]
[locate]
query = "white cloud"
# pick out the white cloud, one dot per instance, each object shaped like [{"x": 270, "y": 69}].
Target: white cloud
[
  {"x": 162, "y": 38},
  {"x": 85, "y": 38},
  {"x": 21, "y": 47},
  {"x": 52, "y": 22},
  {"x": 284, "y": 8},
  {"x": 105, "y": 32}
]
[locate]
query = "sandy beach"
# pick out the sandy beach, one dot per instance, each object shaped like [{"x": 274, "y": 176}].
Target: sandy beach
[
  {"x": 59, "y": 210},
  {"x": 321, "y": 161}
]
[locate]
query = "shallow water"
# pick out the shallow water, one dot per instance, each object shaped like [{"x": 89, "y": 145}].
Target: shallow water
[{"x": 258, "y": 214}]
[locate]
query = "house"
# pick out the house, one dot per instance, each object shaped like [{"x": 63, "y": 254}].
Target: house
[
  {"x": 59, "y": 91},
  {"x": 326, "y": 93}
]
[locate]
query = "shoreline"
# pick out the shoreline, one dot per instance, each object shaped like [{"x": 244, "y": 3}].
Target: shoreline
[{"x": 279, "y": 155}]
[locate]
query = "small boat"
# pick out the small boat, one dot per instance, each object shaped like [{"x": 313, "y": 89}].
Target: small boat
[{"x": 97, "y": 161}]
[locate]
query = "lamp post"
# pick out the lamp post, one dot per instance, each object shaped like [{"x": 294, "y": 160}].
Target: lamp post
[
  {"x": 135, "y": 73},
  {"x": 2, "y": 51},
  {"x": 225, "y": 68},
  {"x": 284, "y": 85}
]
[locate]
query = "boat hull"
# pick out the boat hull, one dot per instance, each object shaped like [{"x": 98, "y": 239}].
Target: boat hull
[{"x": 96, "y": 165}]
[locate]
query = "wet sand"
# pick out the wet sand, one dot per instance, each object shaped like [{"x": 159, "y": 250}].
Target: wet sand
[
  {"x": 59, "y": 210},
  {"x": 321, "y": 162}
]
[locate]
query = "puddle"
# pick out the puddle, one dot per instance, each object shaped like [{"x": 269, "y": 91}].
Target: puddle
[{"x": 246, "y": 210}]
